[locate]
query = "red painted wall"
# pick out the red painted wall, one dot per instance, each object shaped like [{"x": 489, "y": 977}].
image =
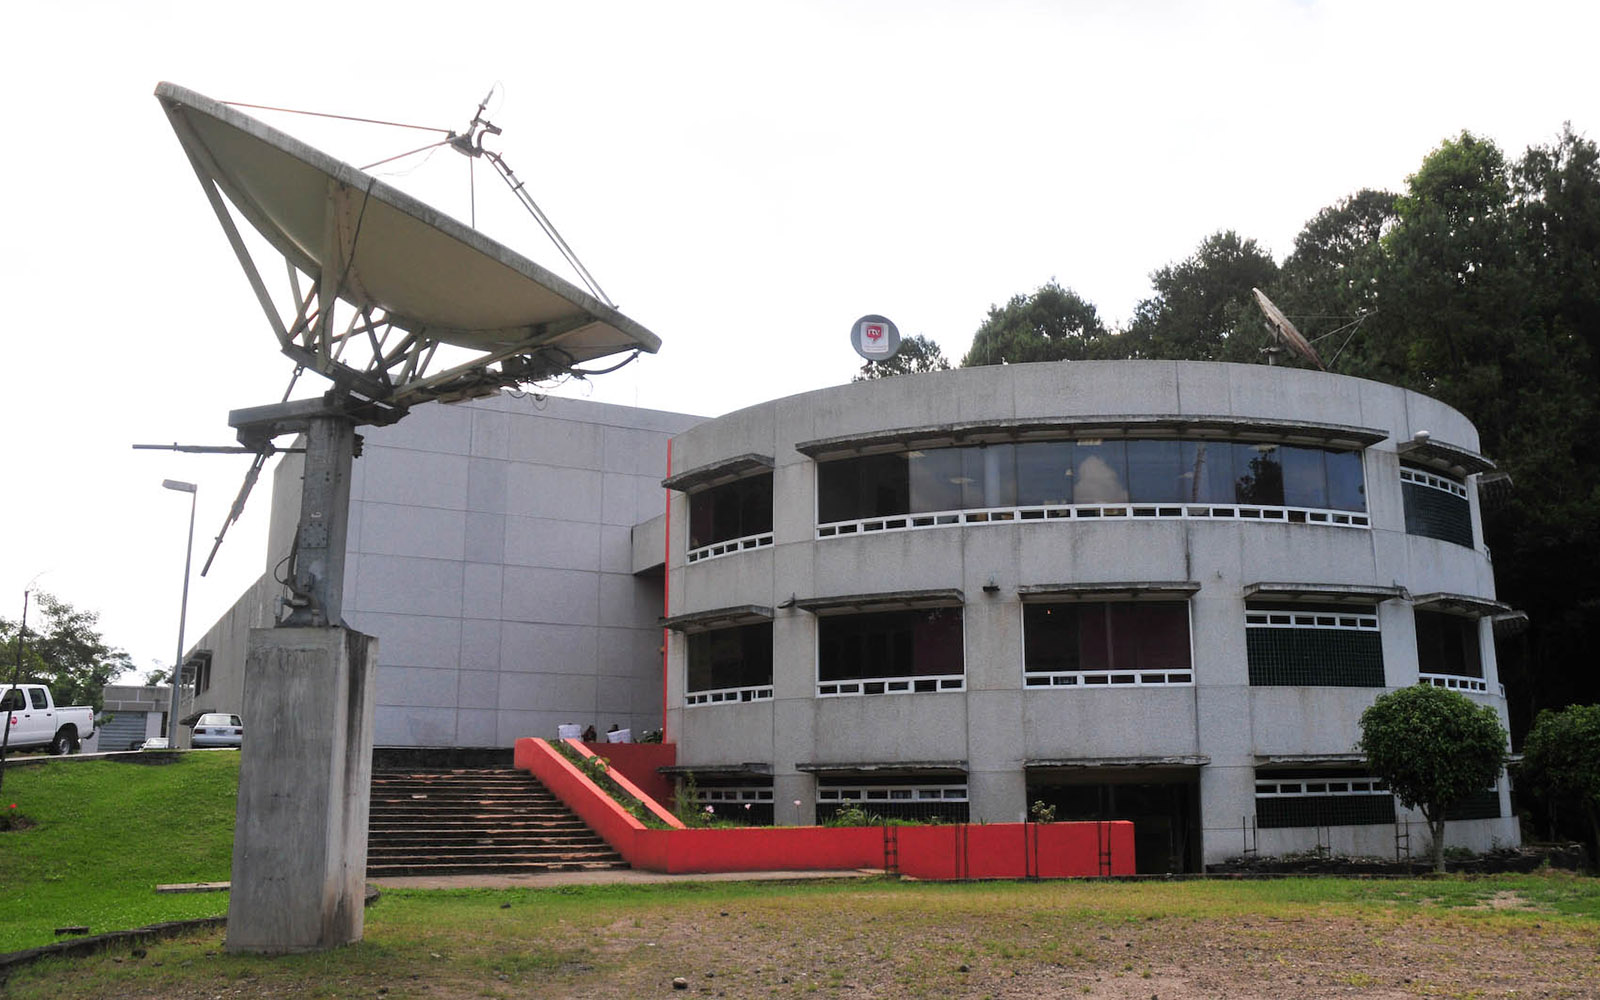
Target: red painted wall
[
  {"x": 1000, "y": 850},
  {"x": 639, "y": 762},
  {"x": 597, "y": 809}
]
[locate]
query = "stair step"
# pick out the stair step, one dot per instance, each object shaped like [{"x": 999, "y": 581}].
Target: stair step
[
  {"x": 424, "y": 821},
  {"x": 496, "y": 869}
]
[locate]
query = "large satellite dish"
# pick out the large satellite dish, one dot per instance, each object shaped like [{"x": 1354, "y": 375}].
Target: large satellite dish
[
  {"x": 393, "y": 301},
  {"x": 413, "y": 278},
  {"x": 1285, "y": 331}
]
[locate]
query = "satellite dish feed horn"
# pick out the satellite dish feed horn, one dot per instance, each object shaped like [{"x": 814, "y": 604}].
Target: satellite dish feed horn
[{"x": 1284, "y": 331}]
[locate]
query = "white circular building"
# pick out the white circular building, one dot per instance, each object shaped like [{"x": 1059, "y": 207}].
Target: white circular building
[{"x": 1157, "y": 591}]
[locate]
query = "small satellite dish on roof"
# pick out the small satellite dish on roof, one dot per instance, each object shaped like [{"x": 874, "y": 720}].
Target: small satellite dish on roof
[
  {"x": 875, "y": 337},
  {"x": 1285, "y": 332}
]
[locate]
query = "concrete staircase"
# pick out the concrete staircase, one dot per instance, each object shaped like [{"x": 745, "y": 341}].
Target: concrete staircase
[{"x": 454, "y": 821}]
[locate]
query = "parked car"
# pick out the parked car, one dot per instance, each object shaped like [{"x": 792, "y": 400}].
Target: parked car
[
  {"x": 218, "y": 729},
  {"x": 36, "y": 721},
  {"x": 154, "y": 743}
]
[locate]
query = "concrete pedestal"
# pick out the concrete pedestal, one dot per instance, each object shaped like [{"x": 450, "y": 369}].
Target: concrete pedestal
[{"x": 300, "y": 839}]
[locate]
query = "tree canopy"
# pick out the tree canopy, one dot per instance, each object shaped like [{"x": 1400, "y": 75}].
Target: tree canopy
[
  {"x": 1202, "y": 309},
  {"x": 64, "y": 650},
  {"x": 1561, "y": 760},
  {"x": 917, "y": 354},
  {"x": 1433, "y": 748},
  {"x": 1050, "y": 324}
]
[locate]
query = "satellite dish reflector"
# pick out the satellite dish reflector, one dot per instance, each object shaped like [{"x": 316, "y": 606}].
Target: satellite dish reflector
[
  {"x": 376, "y": 248},
  {"x": 1285, "y": 331},
  {"x": 875, "y": 337}
]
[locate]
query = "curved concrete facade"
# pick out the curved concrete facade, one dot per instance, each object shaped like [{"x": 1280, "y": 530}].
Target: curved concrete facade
[{"x": 1216, "y": 743}]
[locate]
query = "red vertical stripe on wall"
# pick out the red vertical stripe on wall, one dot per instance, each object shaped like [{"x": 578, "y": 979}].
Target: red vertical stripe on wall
[{"x": 666, "y": 594}]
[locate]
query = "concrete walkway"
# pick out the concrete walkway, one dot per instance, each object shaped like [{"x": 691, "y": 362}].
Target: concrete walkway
[{"x": 616, "y": 876}]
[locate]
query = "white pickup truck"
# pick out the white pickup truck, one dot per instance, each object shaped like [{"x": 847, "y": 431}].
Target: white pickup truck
[{"x": 34, "y": 720}]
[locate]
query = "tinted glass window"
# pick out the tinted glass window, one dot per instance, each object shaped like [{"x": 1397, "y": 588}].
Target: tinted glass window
[
  {"x": 936, "y": 479},
  {"x": 1087, "y": 471},
  {"x": 1101, "y": 635},
  {"x": 889, "y": 644},
  {"x": 731, "y": 658},
  {"x": 838, "y": 490},
  {"x": 1448, "y": 644},
  {"x": 1346, "y": 486},
  {"x": 36, "y": 695},
  {"x": 1207, "y": 472},
  {"x": 1044, "y": 473},
  {"x": 731, "y": 510},
  {"x": 1155, "y": 470},
  {"x": 1100, "y": 471},
  {"x": 1258, "y": 478},
  {"x": 1305, "y": 481}
]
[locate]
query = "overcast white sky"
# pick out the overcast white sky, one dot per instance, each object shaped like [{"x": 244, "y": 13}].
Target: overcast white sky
[{"x": 745, "y": 179}]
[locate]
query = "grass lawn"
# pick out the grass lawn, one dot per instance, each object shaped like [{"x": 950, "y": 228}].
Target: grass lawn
[
  {"x": 106, "y": 833},
  {"x": 1465, "y": 938}
]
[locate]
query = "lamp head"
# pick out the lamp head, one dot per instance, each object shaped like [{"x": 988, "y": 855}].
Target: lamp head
[{"x": 181, "y": 487}]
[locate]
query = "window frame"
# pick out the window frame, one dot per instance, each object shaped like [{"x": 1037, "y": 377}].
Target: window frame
[
  {"x": 738, "y": 694},
  {"x": 1112, "y": 676},
  {"x": 1018, "y": 487},
  {"x": 744, "y": 540},
  {"x": 910, "y": 683}
]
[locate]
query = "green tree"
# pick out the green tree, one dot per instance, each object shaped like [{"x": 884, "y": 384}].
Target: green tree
[
  {"x": 1052, "y": 324},
  {"x": 1561, "y": 759},
  {"x": 1434, "y": 748},
  {"x": 65, "y": 651},
  {"x": 917, "y": 354},
  {"x": 1202, "y": 309},
  {"x": 1329, "y": 284}
]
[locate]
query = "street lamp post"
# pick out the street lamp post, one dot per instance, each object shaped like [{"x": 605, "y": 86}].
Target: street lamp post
[{"x": 183, "y": 611}]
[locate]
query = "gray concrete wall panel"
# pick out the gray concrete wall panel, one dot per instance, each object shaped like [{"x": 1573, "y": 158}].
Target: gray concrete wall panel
[
  {"x": 487, "y": 484},
  {"x": 889, "y": 561},
  {"x": 1308, "y": 720},
  {"x": 423, "y": 686},
  {"x": 1109, "y": 722},
  {"x": 480, "y": 644},
  {"x": 636, "y": 549},
  {"x": 407, "y": 586},
  {"x": 444, "y": 429},
  {"x": 414, "y": 726},
  {"x": 484, "y": 537},
  {"x": 891, "y": 727},
  {"x": 745, "y": 578},
  {"x": 533, "y": 594},
  {"x": 476, "y": 727},
  {"x": 414, "y": 478},
  {"x": 739, "y": 732},
  {"x": 569, "y": 444},
  {"x": 553, "y": 492},
  {"x": 478, "y": 689},
  {"x": 414, "y": 640},
  {"x": 552, "y": 544},
  {"x": 393, "y": 530},
  {"x": 546, "y": 648}
]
